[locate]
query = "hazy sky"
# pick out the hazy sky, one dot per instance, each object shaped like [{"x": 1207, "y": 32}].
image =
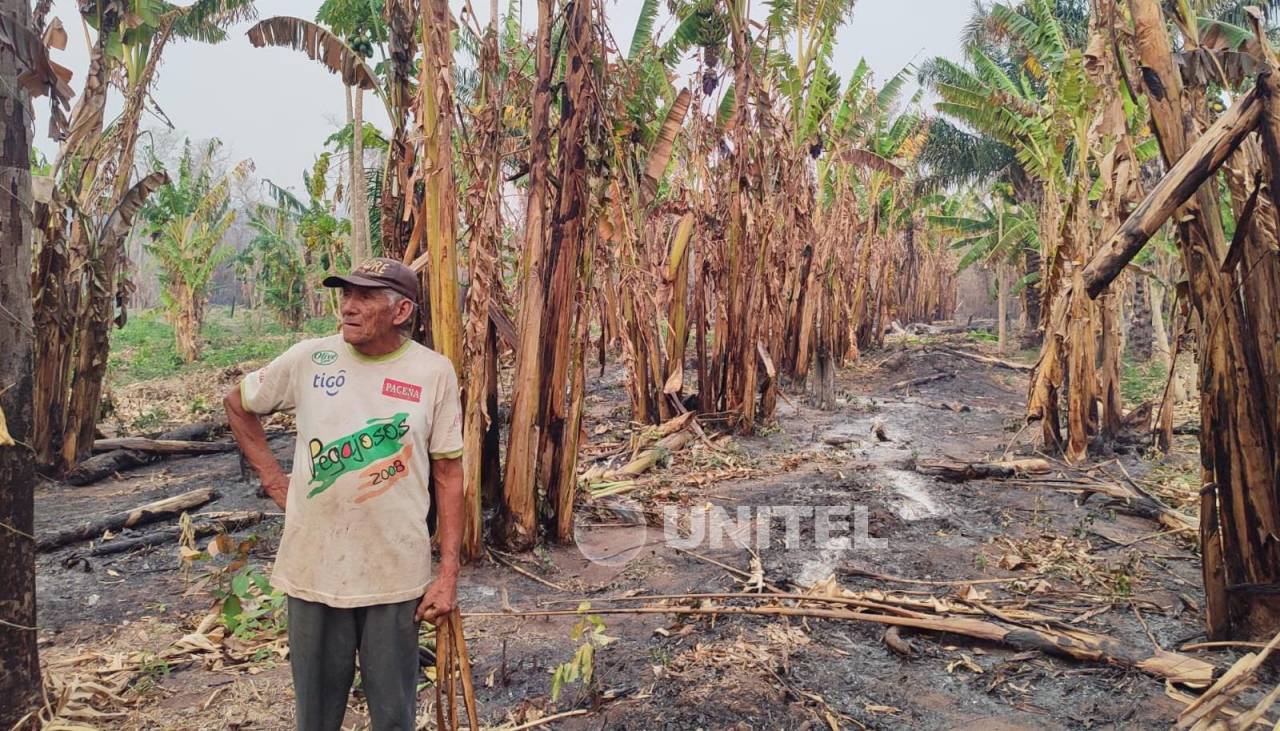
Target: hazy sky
[{"x": 277, "y": 106}]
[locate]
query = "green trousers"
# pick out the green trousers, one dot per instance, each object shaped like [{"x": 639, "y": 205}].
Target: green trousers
[{"x": 323, "y": 644}]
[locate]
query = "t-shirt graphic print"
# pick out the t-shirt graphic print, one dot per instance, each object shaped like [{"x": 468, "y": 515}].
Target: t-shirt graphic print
[{"x": 356, "y": 516}]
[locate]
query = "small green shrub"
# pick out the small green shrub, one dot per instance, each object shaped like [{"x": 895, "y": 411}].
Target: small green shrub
[{"x": 581, "y": 666}]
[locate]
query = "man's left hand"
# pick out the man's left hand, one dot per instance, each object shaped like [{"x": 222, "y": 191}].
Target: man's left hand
[{"x": 441, "y": 596}]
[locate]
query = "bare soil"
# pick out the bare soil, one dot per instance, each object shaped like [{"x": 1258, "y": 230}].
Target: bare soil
[{"x": 1086, "y": 563}]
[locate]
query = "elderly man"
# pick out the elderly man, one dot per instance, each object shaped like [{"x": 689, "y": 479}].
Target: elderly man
[{"x": 377, "y": 414}]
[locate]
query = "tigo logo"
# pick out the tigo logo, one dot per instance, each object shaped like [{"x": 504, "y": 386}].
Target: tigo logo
[{"x": 331, "y": 384}]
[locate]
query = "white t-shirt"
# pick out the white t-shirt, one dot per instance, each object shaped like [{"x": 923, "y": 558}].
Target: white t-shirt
[{"x": 355, "y": 531}]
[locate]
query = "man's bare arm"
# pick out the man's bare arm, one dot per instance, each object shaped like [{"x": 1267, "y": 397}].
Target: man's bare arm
[
  {"x": 247, "y": 429},
  {"x": 442, "y": 594}
]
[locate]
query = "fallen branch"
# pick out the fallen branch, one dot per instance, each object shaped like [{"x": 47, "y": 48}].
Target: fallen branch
[
  {"x": 227, "y": 523},
  {"x": 1076, "y": 644},
  {"x": 141, "y": 515},
  {"x": 108, "y": 463},
  {"x": 1135, "y": 502},
  {"x": 1237, "y": 679},
  {"x": 960, "y": 471},
  {"x": 644, "y": 461},
  {"x": 498, "y": 556},
  {"x": 930, "y": 582},
  {"x": 735, "y": 571},
  {"x": 544, "y": 720},
  {"x": 910, "y": 383},
  {"x": 988, "y": 360},
  {"x": 162, "y": 446},
  {"x": 1200, "y": 162}
]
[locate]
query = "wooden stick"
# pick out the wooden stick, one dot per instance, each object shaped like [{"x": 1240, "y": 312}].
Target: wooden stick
[
  {"x": 927, "y": 582},
  {"x": 911, "y": 382},
  {"x": 961, "y": 471},
  {"x": 545, "y": 720},
  {"x": 1223, "y": 643},
  {"x": 497, "y": 555},
  {"x": 151, "y": 512},
  {"x": 162, "y": 446},
  {"x": 1235, "y": 680},
  {"x": 997, "y": 362},
  {"x": 464, "y": 664},
  {"x": 772, "y": 596},
  {"x": 224, "y": 524},
  {"x": 726, "y": 567}
]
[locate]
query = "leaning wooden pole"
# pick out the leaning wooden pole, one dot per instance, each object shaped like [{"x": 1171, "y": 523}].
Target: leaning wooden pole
[
  {"x": 1238, "y": 449},
  {"x": 1174, "y": 190}
]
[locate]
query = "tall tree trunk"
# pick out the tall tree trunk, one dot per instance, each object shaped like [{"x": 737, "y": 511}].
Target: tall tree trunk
[
  {"x": 1109, "y": 367},
  {"x": 438, "y": 215},
  {"x": 481, "y": 467},
  {"x": 1161, "y": 343},
  {"x": 569, "y": 261},
  {"x": 349, "y": 179},
  {"x": 1002, "y": 307},
  {"x": 19, "y": 663},
  {"x": 401, "y": 18},
  {"x": 1031, "y": 300},
  {"x": 186, "y": 323},
  {"x": 61, "y": 257},
  {"x": 358, "y": 195},
  {"x": 1142, "y": 320},
  {"x": 109, "y": 285},
  {"x": 519, "y": 509},
  {"x": 1237, "y": 449}
]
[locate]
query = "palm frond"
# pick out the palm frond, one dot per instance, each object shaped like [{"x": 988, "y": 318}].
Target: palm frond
[
  {"x": 642, "y": 36},
  {"x": 319, "y": 45},
  {"x": 285, "y": 199},
  {"x": 888, "y": 95}
]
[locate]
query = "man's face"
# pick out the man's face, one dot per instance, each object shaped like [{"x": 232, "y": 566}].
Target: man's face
[{"x": 367, "y": 314}]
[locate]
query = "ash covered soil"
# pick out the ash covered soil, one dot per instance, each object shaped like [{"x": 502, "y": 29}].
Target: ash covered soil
[{"x": 1000, "y": 544}]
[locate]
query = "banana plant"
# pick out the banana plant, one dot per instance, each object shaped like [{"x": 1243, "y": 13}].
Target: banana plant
[
  {"x": 187, "y": 219},
  {"x": 279, "y": 264}
]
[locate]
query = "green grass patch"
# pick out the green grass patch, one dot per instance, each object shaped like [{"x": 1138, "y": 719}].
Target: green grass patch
[
  {"x": 982, "y": 336},
  {"x": 1142, "y": 381},
  {"x": 144, "y": 348}
]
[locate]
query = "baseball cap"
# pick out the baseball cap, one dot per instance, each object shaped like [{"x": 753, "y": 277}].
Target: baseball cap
[{"x": 379, "y": 272}]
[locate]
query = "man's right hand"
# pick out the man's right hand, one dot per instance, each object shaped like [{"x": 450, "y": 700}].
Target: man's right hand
[{"x": 276, "y": 486}]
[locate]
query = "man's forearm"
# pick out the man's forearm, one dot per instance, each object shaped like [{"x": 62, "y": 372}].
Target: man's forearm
[
  {"x": 252, "y": 439},
  {"x": 447, "y": 474}
]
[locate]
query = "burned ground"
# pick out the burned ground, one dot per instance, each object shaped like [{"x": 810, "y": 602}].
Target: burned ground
[{"x": 1086, "y": 563}]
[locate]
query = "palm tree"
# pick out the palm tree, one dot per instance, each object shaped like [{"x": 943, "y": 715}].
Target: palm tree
[
  {"x": 996, "y": 232},
  {"x": 187, "y": 220},
  {"x": 360, "y": 23},
  {"x": 391, "y": 36}
]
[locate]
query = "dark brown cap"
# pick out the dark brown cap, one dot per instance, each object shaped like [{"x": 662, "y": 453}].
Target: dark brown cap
[{"x": 380, "y": 272}]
